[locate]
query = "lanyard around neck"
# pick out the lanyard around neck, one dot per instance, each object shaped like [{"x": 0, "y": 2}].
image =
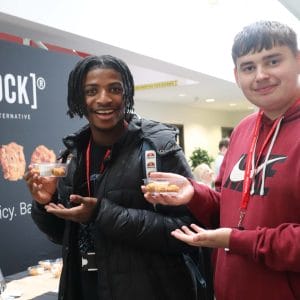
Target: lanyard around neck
[
  {"x": 88, "y": 165},
  {"x": 248, "y": 177}
]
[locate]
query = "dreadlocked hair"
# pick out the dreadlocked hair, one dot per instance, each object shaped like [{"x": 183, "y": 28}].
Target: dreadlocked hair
[
  {"x": 76, "y": 98},
  {"x": 263, "y": 35}
]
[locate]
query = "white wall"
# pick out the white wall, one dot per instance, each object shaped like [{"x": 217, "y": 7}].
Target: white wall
[{"x": 202, "y": 128}]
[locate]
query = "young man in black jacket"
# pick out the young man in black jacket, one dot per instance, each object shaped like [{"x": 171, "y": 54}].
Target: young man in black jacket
[{"x": 115, "y": 244}]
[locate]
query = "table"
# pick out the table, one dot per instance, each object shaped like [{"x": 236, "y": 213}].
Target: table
[{"x": 38, "y": 287}]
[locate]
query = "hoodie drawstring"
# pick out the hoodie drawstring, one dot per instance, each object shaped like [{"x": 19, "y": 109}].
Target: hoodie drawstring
[
  {"x": 264, "y": 165},
  {"x": 262, "y": 187}
]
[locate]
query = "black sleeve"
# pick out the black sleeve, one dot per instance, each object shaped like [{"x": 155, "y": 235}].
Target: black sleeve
[
  {"x": 49, "y": 224},
  {"x": 143, "y": 228}
]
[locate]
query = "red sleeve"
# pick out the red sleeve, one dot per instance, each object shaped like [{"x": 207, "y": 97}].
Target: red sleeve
[
  {"x": 278, "y": 248},
  {"x": 205, "y": 205}
]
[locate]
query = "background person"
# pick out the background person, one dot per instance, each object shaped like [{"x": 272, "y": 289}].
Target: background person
[
  {"x": 257, "y": 211},
  {"x": 115, "y": 244},
  {"x": 203, "y": 173},
  {"x": 223, "y": 146}
]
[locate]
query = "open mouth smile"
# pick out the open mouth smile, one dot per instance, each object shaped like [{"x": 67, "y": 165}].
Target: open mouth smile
[{"x": 104, "y": 111}]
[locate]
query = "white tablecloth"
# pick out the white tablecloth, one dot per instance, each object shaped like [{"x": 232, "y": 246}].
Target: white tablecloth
[{"x": 44, "y": 286}]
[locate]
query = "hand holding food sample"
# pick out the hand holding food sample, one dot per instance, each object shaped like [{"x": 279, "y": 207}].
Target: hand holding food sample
[{"x": 40, "y": 183}]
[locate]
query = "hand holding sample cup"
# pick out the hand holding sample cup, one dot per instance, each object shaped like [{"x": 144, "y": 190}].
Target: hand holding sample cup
[
  {"x": 167, "y": 189},
  {"x": 41, "y": 177}
]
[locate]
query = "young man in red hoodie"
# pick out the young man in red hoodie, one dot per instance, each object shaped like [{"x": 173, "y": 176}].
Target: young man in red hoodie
[{"x": 254, "y": 222}]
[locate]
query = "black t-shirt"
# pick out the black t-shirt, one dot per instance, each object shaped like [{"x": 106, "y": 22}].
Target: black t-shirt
[{"x": 86, "y": 236}]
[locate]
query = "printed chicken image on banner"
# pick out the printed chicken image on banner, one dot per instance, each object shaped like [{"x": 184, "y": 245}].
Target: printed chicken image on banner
[
  {"x": 42, "y": 154},
  {"x": 13, "y": 161}
]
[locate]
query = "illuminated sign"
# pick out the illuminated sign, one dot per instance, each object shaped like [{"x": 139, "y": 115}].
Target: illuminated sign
[{"x": 156, "y": 85}]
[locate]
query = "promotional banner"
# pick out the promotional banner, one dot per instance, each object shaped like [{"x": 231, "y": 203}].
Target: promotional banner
[{"x": 33, "y": 106}]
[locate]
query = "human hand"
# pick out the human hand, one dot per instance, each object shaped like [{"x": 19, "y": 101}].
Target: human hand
[
  {"x": 199, "y": 237},
  {"x": 41, "y": 188},
  {"x": 81, "y": 213},
  {"x": 182, "y": 197}
]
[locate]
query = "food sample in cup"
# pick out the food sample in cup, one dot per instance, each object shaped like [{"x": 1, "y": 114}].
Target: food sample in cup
[
  {"x": 50, "y": 169},
  {"x": 54, "y": 266},
  {"x": 36, "y": 270},
  {"x": 162, "y": 185},
  {"x": 46, "y": 264},
  {"x": 56, "y": 269}
]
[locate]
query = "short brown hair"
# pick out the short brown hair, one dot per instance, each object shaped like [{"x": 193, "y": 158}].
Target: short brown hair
[{"x": 263, "y": 35}]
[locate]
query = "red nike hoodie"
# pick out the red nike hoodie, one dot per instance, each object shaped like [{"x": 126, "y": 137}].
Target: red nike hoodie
[{"x": 263, "y": 262}]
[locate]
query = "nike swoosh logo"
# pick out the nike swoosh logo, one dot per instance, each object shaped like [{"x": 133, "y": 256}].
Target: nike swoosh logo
[{"x": 238, "y": 175}]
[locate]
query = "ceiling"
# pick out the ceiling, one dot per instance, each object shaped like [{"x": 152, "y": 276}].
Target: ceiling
[
  {"x": 293, "y": 6},
  {"x": 192, "y": 87},
  {"x": 188, "y": 87}
]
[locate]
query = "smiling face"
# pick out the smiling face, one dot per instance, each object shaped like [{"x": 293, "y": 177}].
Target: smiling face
[
  {"x": 269, "y": 79},
  {"x": 103, "y": 92}
]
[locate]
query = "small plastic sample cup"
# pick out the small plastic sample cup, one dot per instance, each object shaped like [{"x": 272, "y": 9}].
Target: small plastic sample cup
[{"x": 51, "y": 169}]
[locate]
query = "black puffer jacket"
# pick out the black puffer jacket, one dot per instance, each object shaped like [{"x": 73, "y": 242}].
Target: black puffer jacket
[{"x": 137, "y": 257}]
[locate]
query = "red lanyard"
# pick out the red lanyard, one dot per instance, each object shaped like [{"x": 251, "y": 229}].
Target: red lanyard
[
  {"x": 250, "y": 157},
  {"x": 88, "y": 165}
]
